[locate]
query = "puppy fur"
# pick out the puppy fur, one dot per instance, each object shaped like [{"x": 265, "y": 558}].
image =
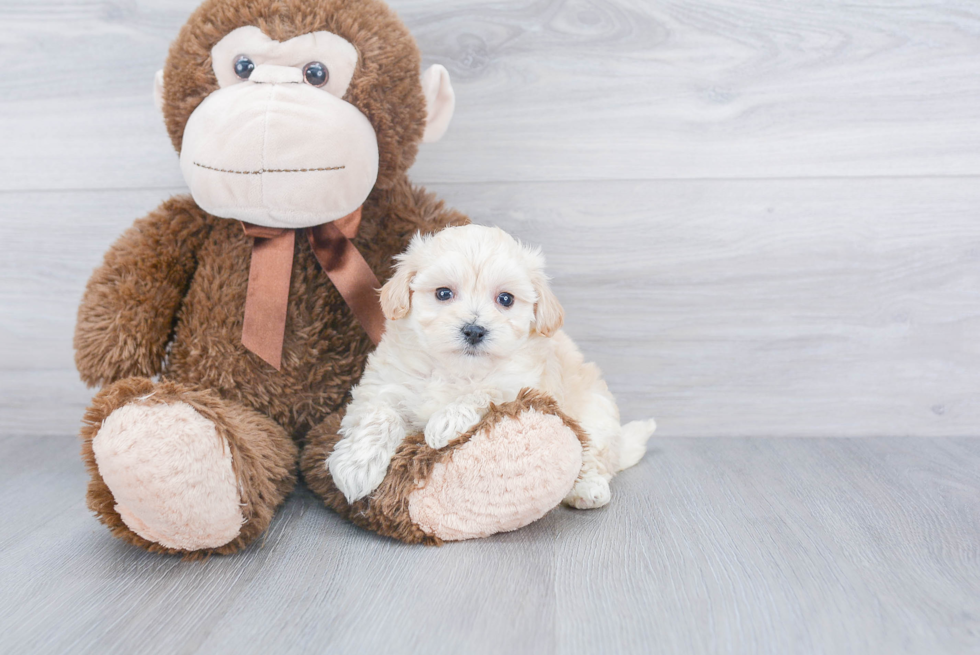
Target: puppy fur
[{"x": 426, "y": 374}]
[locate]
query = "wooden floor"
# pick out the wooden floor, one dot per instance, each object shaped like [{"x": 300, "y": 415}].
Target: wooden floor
[
  {"x": 728, "y": 545},
  {"x": 763, "y": 220}
]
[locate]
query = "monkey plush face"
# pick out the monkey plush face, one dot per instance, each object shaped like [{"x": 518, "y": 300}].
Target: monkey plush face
[
  {"x": 276, "y": 144},
  {"x": 299, "y": 113}
]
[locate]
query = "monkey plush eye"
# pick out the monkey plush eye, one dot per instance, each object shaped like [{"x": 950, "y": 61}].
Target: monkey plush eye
[
  {"x": 443, "y": 293},
  {"x": 244, "y": 67},
  {"x": 316, "y": 73},
  {"x": 505, "y": 299}
]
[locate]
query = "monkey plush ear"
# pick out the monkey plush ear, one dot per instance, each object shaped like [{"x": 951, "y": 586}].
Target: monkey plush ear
[
  {"x": 158, "y": 89},
  {"x": 396, "y": 294},
  {"x": 440, "y": 102},
  {"x": 549, "y": 315}
]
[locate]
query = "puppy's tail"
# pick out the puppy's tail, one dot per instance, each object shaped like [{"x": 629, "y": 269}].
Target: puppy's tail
[{"x": 633, "y": 442}]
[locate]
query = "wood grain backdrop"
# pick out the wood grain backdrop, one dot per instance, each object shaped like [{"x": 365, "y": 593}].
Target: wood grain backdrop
[{"x": 763, "y": 218}]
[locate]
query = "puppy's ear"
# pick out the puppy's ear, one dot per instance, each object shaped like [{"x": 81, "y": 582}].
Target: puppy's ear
[
  {"x": 396, "y": 294},
  {"x": 549, "y": 315}
]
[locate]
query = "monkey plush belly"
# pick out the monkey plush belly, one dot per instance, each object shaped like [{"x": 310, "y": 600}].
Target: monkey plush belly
[{"x": 324, "y": 350}]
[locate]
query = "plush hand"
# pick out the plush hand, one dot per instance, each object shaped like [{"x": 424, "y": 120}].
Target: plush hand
[{"x": 451, "y": 421}]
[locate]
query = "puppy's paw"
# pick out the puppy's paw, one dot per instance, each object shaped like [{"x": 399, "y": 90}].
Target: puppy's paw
[
  {"x": 357, "y": 469},
  {"x": 588, "y": 493},
  {"x": 450, "y": 422}
]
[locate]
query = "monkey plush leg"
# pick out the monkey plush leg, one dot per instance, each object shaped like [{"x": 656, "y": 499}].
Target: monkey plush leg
[
  {"x": 178, "y": 470},
  {"x": 509, "y": 470}
]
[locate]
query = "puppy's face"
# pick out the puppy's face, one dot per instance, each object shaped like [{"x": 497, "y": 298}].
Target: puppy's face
[{"x": 472, "y": 291}]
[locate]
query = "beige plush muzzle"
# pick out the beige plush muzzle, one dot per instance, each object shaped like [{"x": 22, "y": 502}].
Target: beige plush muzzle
[{"x": 279, "y": 153}]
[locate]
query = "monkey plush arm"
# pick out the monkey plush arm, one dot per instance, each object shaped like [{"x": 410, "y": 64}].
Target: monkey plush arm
[
  {"x": 127, "y": 314},
  {"x": 404, "y": 210},
  {"x": 431, "y": 214}
]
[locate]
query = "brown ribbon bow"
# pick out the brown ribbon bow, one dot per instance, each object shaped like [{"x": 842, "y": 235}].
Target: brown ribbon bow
[{"x": 267, "y": 298}]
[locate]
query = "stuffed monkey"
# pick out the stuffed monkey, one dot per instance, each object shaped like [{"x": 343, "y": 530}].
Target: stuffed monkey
[{"x": 226, "y": 328}]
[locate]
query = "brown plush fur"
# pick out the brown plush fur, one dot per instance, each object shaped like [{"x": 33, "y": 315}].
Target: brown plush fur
[
  {"x": 263, "y": 456},
  {"x": 181, "y": 274},
  {"x": 179, "y": 277},
  {"x": 168, "y": 299},
  {"x": 386, "y": 510}
]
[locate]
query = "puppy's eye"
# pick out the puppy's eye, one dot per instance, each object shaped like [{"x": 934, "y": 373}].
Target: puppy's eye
[
  {"x": 505, "y": 299},
  {"x": 444, "y": 293},
  {"x": 244, "y": 67}
]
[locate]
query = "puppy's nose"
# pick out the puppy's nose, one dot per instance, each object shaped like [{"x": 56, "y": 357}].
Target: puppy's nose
[{"x": 473, "y": 333}]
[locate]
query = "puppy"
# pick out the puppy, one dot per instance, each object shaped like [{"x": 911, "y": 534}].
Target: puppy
[{"x": 471, "y": 321}]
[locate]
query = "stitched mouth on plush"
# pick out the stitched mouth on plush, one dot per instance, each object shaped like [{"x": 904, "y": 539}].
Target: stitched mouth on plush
[{"x": 269, "y": 170}]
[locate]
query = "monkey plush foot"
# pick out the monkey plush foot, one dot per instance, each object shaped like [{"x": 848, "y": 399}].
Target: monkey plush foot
[
  {"x": 171, "y": 475},
  {"x": 182, "y": 471},
  {"x": 513, "y": 467}
]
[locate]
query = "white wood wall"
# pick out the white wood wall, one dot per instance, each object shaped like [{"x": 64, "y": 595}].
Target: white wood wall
[{"x": 763, "y": 218}]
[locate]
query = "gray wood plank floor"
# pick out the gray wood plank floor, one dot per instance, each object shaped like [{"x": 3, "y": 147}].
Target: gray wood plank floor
[
  {"x": 709, "y": 546},
  {"x": 763, "y": 220}
]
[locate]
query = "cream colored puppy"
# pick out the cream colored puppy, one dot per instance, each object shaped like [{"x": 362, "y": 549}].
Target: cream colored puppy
[{"x": 472, "y": 321}]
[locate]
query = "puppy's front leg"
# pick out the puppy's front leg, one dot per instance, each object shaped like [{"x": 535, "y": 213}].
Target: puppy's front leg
[
  {"x": 359, "y": 462},
  {"x": 457, "y": 417}
]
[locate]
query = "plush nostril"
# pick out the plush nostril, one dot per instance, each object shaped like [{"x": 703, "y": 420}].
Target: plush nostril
[{"x": 473, "y": 333}]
